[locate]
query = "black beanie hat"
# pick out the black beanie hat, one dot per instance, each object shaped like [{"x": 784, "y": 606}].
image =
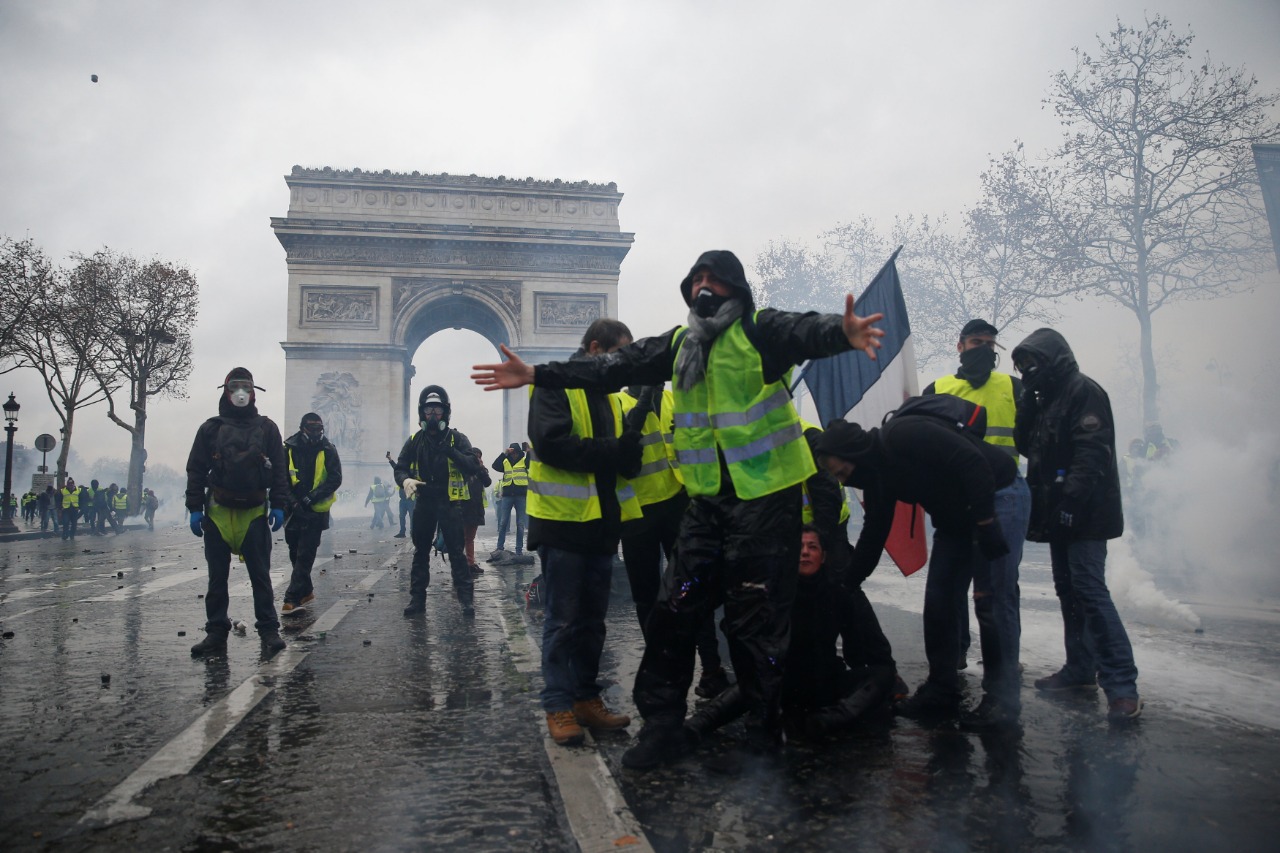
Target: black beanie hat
[
  {"x": 725, "y": 266},
  {"x": 309, "y": 417},
  {"x": 844, "y": 440}
]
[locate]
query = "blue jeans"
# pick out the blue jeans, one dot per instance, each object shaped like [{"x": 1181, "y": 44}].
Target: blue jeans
[
  {"x": 996, "y": 598},
  {"x": 1096, "y": 642},
  {"x": 577, "y": 596},
  {"x": 505, "y": 504}
]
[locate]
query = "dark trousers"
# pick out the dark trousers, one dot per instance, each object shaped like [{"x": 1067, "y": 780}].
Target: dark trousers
[
  {"x": 430, "y": 511},
  {"x": 642, "y": 551},
  {"x": 70, "y": 515},
  {"x": 576, "y": 587},
  {"x": 742, "y": 554},
  {"x": 302, "y": 535},
  {"x": 256, "y": 550},
  {"x": 869, "y": 647},
  {"x": 1096, "y": 641},
  {"x": 406, "y": 508}
]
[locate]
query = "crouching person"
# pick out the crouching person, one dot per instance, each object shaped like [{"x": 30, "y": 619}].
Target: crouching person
[
  {"x": 236, "y": 468},
  {"x": 821, "y": 692}
]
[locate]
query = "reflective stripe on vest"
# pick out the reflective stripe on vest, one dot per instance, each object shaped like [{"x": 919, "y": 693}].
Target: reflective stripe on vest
[
  {"x": 318, "y": 480},
  {"x": 517, "y": 474},
  {"x": 996, "y": 394},
  {"x": 752, "y": 424},
  {"x": 559, "y": 495},
  {"x": 658, "y": 479}
]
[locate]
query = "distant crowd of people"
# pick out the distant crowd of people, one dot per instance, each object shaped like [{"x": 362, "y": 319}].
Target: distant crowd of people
[{"x": 98, "y": 508}]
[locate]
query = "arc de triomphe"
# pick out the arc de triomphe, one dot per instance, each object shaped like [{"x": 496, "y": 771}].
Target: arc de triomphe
[{"x": 378, "y": 262}]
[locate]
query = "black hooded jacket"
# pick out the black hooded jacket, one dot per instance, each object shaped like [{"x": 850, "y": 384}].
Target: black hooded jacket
[
  {"x": 1066, "y": 425},
  {"x": 432, "y": 452},
  {"x": 200, "y": 460},
  {"x": 916, "y": 459},
  {"x": 304, "y": 455}
]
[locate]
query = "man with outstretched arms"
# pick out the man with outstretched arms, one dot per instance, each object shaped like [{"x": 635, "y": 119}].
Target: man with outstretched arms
[{"x": 743, "y": 456}]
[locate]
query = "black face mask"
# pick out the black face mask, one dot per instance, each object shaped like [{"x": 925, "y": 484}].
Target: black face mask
[
  {"x": 976, "y": 365},
  {"x": 706, "y": 303},
  {"x": 1035, "y": 377}
]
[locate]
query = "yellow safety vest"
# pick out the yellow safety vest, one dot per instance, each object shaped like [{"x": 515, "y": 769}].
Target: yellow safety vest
[
  {"x": 733, "y": 412},
  {"x": 70, "y": 498},
  {"x": 321, "y": 474},
  {"x": 120, "y": 501},
  {"x": 458, "y": 489},
  {"x": 515, "y": 475},
  {"x": 559, "y": 495},
  {"x": 996, "y": 395},
  {"x": 659, "y": 477}
]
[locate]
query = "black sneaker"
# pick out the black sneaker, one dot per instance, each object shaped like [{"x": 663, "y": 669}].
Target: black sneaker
[
  {"x": 271, "y": 643},
  {"x": 399, "y": 535},
  {"x": 989, "y": 715},
  {"x": 713, "y": 683},
  {"x": 930, "y": 702},
  {"x": 417, "y": 605},
  {"x": 468, "y": 612},
  {"x": 656, "y": 745},
  {"x": 1060, "y": 683},
  {"x": 212, "y": 645}
]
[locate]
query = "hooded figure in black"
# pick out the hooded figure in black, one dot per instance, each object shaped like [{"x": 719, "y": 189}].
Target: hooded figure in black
[
  {"x": 1066, "y": 430},
  {"x": 744, "y": 458},
  {"x": 954, "y": 476},
  {"x": 315, "y": 475},
  {"x": 237, "y": 483},
  {"x": 433, "y": 468}
]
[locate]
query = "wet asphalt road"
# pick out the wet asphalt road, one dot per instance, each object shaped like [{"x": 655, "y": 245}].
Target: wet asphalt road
[{"x": 373, "y": 732}]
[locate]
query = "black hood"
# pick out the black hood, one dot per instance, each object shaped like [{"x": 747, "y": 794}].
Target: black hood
[
  {"x": 1052, "y": 352},
  {"x": 725, "y": 266},
  {"x": 850, "y": 442}
]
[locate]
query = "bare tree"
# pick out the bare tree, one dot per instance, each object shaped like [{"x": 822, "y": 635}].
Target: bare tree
[
  {"x": 1153, "y": 195},
  {"x": 146, "y": 332},
  {"x": 62, "y": 341},
  {"x": 25, "y": 273}
]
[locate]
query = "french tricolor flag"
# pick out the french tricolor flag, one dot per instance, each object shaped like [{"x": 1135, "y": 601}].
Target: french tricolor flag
[{"x": 853, "y": 387}]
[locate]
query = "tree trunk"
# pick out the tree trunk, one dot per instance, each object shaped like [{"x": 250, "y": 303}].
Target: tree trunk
[
  {"x": 137, "y": 456},
  {"x": 65, "y": 451},
  {"x": 1150, "y": 388}
]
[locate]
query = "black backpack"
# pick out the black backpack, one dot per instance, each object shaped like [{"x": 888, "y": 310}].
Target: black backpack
[
  {"x": 963, "y": 415},
  {"x": 240, "y": 471}
]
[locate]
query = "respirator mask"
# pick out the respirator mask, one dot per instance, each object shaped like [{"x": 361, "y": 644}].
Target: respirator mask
[{"x": 240, "y": 393}]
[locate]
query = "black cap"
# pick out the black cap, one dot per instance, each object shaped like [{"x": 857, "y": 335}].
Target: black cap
[
  {"x": 978, "y": 327},
  {"x": 310, "y": 417}
]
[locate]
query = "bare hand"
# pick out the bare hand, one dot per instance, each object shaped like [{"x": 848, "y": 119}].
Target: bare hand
[
  {"x": 512, "y": 373},
  {"x": 861, "y": 334}
]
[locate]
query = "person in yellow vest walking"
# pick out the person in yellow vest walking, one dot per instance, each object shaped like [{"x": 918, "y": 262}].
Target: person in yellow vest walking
[
  {"x": 579, "y": 497},
  {"x": 380, "y": 496},
  {"x": 432, "y": 468},
  {"x": 743, "y": 456},
  {"x": 995, "y": 582},
  {"x": 315, "y": 475},
  {"x": 70, "y": 508},
  {"x": 237, "y": 489}
]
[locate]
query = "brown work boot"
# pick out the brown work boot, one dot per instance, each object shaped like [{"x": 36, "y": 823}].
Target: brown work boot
[
  {"x": 564, "y": 728},
  {"x": 593, "y": 714}
]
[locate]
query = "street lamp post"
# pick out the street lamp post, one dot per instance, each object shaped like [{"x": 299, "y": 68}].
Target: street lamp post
[{"x": 10, "y": 427}]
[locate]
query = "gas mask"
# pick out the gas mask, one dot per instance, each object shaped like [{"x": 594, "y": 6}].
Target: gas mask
[
  {"x": 706, "y": 303},
  {"x": 239, "y": 398},
  {"x": 313, "y": 433},
  {"x": 433, "y": 418}
]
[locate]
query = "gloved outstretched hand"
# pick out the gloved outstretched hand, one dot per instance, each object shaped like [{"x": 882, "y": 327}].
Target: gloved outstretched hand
[
  {"x": 410, "y": 486},
  {"x": 990, "y": 539},
  {"x": 629, "y": 454},
  {"x": 196, "y": 517},
  {"x": 277, "y": 519}
]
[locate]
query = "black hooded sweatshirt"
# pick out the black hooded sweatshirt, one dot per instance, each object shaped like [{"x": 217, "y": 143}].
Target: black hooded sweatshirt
[
  {"x": 1065, "y": 424},
  {"x": 200, "y": 460}
]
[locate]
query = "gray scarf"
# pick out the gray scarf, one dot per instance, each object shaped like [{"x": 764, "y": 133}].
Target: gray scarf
[{"x": 691, "y": 365}]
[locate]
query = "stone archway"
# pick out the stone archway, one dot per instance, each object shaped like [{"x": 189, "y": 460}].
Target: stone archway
[{"x": 378, "y": 262}]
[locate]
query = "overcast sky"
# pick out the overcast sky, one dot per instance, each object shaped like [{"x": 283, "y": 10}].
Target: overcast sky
[{"x": 725, "y": 124}]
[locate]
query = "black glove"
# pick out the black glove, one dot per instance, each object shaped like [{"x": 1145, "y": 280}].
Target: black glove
[
  {"x": 1067, "y": 515},
  {"x": 647, "y": 400},
  {"x": 990, "y": 540},
  {"x": 629, "y": 454},
  {"x": 306, "y": 502}
]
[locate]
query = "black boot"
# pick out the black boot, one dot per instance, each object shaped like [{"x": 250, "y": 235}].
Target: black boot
[
  {"x": 417, "y": 605},
  {"x": 271, "y": 642},
  {"x": 656, "y": 744},
  {"x": 213, "y": 644},
  {"x": 721, "y": 710}
]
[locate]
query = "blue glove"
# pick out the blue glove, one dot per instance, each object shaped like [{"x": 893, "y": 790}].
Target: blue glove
[
  {"x": 277, "y": 519},
  {"x": 196, "y": 517}
]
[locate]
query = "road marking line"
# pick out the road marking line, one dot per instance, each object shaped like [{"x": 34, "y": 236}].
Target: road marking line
[
  {"x": 596, "y": 810},
  {"x": 147, "y": 588},
  {"x": 179, "y": 756}
]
